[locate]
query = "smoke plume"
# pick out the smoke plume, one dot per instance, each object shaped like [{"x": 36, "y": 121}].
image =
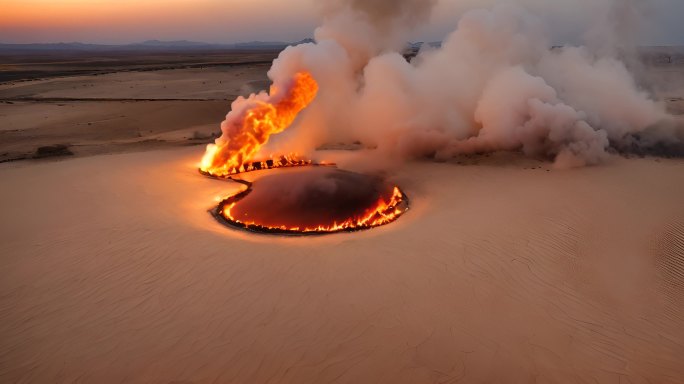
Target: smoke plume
[{"x": 495, "y": 84}]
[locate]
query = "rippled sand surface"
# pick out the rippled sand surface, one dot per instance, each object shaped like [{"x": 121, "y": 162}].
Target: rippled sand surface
[{"x": 111, "y": 270}]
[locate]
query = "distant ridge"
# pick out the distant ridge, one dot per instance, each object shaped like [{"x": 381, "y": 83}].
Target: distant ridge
[
  {"x": 154, "y": 45},
  {"x": 176, "y": 43}
]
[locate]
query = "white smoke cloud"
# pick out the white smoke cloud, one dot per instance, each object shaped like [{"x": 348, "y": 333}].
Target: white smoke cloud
[{"x": 495, "y": 84}]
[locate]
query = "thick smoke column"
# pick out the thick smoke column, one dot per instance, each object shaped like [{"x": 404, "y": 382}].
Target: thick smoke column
[
  {"x": 367, "y": 28},
  {"x": 384, "y": 13},
  {"x": 495, "y": 84}
]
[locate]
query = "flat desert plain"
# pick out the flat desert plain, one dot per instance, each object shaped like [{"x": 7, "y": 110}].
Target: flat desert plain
[
  {"x": 504, "y": 270},
  {"x": 122, "y": 103}
]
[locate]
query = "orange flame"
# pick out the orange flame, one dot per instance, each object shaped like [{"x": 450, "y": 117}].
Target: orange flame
[
  {"x": 230, "y": 155},
  {"x": 383, "y": 212}
]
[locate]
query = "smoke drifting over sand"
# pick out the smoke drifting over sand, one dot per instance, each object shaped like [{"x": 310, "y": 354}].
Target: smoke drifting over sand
[{"x": 495, "y": 84}]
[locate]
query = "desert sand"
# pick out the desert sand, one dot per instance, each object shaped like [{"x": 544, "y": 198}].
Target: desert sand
[
  {"x": 503, "y": 270},
  {"x": 113, "y": 270},
  {"x": 130, "y": 108}
]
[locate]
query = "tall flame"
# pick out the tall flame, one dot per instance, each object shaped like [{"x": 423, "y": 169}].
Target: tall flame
[{"x": 259, "y": 122}]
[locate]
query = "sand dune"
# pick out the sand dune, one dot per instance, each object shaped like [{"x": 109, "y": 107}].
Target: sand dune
[{"x": 113, "y": 271}]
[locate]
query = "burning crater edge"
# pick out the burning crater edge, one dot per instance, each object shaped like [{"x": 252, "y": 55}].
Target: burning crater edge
[{"x": 309, "y": 199}]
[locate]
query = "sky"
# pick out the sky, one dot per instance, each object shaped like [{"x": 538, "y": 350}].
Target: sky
[{"x": 230, "y": 21}]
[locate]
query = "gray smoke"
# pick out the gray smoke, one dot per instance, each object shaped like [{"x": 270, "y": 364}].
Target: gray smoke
[
  {"x": 385, "y": 13},
  {"x": 368, "y": 28},
  {"x": 495, "y": 84}
]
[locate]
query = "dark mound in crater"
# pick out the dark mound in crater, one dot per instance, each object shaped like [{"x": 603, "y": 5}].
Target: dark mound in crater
[{"x": 288, "y": 201}]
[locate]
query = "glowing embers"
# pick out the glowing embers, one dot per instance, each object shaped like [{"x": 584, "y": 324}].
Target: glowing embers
[{"x": 313, "y": 200}]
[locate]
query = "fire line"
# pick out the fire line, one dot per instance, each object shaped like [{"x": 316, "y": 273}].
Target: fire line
[
  {"x": 385, "y": 210},
  {"x": 253, "y": 129},
  {"x": 247, "y": 133}
]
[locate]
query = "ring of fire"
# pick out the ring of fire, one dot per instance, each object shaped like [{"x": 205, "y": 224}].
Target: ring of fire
[{"x": 316, "y": 200}]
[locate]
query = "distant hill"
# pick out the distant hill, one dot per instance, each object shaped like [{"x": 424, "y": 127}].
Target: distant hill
[
  {"x": 269, "y": 44},
  {"x": 177, "y": 43},
  {"x": 149, "y": 45}
]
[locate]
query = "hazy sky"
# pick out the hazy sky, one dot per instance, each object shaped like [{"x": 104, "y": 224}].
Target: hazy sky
[{"x": 226, "y": 21}]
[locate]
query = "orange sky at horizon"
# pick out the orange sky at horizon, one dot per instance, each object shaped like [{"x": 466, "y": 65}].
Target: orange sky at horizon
[
  {"x": 36, "y": 13},
  {"x": 230, "y": 21},
  {"x": 125, "y": 20}
]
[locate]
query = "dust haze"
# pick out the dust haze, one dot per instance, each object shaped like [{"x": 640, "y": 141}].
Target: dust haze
[{"x": 496, "y": 83}]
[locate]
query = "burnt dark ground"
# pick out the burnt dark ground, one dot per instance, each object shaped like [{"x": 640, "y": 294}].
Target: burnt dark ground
[{"x": 307, "y": 197}]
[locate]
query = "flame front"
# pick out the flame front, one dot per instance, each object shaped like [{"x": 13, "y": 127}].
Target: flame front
[
  {"x": 381, "y": 213},
  {"x": 245, "y": 131},
  {"x": 244, "y": 139}
]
